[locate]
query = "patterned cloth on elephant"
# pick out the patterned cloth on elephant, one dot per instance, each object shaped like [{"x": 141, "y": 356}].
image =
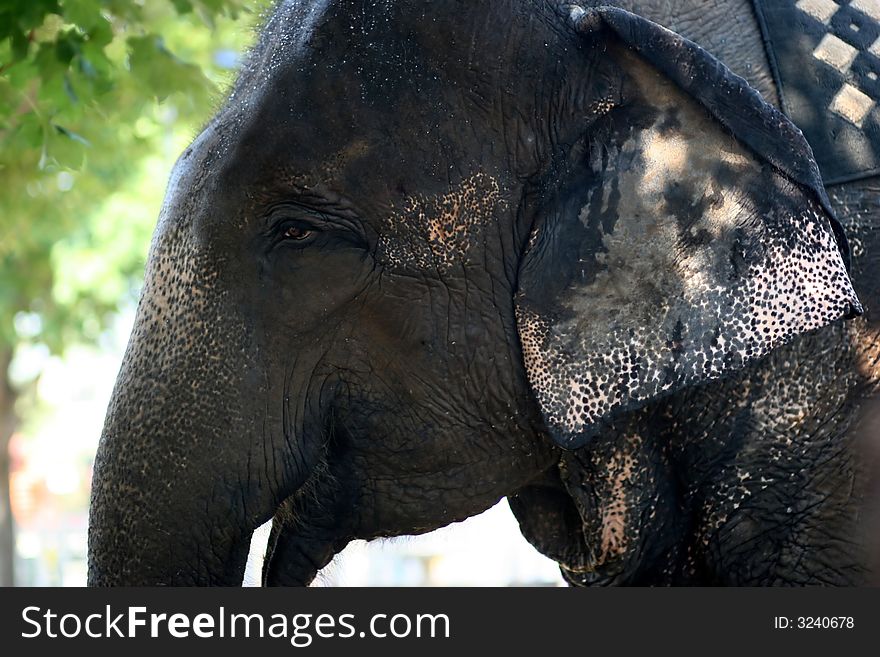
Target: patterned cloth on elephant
[{"x": 826, "y": 54}]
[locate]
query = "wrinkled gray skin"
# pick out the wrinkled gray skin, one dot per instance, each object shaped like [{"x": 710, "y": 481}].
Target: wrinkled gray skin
[{"x": 306, "y": 350}]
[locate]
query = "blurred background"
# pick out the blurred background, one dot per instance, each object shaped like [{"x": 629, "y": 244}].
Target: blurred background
[{"x": 97, "y": 99}]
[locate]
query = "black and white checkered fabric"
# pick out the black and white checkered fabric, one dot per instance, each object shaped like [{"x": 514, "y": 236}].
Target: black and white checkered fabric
[{"x": 826, "y": 59}]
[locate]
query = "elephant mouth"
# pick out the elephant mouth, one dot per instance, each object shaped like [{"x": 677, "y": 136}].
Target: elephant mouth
[{"x": 308, "y": 530}]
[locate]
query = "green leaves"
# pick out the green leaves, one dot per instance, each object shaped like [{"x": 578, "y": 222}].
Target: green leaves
[
  {"x": 162, "y": 72},
  {"x": 90, "y": 92},
  {"x": 19, "y": 17}
]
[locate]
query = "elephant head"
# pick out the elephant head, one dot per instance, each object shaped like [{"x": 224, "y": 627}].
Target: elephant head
[{"x": 421, "y": 248}]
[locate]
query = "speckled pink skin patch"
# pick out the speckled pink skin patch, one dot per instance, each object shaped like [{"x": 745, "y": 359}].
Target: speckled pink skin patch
[{"x": 436, "y": 232}]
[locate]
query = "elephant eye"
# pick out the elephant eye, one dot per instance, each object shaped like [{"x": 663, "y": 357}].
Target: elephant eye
[{"x": 297, "y": 233}]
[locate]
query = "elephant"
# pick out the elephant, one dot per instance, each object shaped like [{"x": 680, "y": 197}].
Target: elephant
[{"x": 431, "y": 255}]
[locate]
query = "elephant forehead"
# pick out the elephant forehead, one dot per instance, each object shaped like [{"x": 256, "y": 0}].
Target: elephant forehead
[
  {"x": 285, "y": 37},
  {"x": 440, "y": 230}
]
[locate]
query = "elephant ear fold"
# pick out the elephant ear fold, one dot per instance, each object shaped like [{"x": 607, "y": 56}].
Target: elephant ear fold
[{"x": 684, "y": 233}]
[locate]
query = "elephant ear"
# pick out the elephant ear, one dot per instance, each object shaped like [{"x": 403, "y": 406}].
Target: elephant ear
[{"x": 686, "y": 233}]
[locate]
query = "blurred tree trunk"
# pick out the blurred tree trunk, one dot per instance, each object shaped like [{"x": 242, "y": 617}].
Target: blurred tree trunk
[{"x": 7, "y": 426}]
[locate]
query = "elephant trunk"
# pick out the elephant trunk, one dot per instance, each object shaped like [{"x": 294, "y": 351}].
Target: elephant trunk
[
  {"x": 157, "y": 516},
  {"x": 187, "y": 466}
]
